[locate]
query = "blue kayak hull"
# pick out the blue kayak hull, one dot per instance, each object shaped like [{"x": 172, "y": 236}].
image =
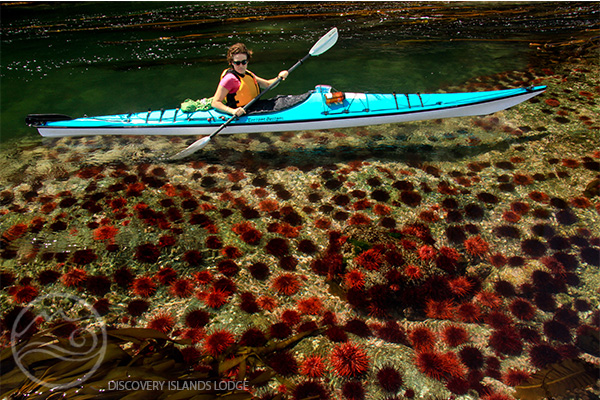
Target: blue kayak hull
[{"x": 357, "y": 109}]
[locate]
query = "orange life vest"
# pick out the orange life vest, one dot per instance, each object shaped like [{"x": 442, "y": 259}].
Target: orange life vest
[{"x": 248, "y": 90}]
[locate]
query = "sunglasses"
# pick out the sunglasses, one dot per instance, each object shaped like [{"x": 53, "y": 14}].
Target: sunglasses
[{"x": 243, "y": 62}]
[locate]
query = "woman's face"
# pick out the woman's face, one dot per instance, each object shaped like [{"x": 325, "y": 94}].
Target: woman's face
[{"x": 240, "y": 63}]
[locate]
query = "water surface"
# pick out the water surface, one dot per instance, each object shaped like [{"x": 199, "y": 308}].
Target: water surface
[{"x": 98, "y": 58}]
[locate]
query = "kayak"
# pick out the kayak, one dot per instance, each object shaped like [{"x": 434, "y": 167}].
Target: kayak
[{"x": 321, "y": 108}]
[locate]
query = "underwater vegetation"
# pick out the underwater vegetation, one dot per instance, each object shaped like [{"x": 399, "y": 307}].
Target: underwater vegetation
[{"x": 468, "y": 268}]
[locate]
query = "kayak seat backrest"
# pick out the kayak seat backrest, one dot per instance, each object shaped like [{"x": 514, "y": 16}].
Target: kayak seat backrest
[{"x": 278, "y": 103}]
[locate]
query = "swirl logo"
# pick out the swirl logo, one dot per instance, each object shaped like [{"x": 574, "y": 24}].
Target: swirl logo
[{"x": 83, "y": 341}]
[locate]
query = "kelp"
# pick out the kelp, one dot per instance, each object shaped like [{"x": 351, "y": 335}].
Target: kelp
[
  {"x": 135, "y": 354},
  {"x": 558, "y": 379},
  {"x": 589, "y": 342}
]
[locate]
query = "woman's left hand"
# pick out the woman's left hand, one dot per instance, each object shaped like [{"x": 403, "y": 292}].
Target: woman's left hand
[{"x": 283, "y": 74}]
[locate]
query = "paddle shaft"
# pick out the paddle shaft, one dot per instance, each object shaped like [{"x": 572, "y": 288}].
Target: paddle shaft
[{"x": 271, "y": 86}]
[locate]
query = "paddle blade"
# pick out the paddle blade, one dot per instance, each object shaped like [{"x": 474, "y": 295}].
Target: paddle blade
[
  {"x": 192, "y": 148},
  {"x": 325, "y": 43}
]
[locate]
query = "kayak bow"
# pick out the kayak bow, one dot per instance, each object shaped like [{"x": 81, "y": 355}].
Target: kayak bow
[{"x": 322, "y": 108}]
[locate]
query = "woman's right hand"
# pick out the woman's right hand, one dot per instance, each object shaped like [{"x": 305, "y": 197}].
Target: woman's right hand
[{"x": 238, "y": 112}]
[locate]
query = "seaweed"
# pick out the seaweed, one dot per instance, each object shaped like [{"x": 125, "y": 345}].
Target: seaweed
[
  {"x": 132, "y": 354},
  {"x": 558, "y": 380},
  {"x": 360, "y": 245},
  {"x": 589, "y": 341}
]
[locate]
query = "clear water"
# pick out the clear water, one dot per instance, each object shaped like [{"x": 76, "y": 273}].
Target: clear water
[
  {"x": 95, "y": 58},
  {"x": 514, "y": 195}
]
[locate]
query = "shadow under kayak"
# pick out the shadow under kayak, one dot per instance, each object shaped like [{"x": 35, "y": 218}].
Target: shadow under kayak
[{"x": 322, "y": 108}]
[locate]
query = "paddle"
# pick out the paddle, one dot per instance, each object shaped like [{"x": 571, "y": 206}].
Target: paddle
[{"x": 324, "y": 44}]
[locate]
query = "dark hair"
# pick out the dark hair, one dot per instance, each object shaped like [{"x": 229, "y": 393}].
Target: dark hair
[{"x": 238, "y": 48}]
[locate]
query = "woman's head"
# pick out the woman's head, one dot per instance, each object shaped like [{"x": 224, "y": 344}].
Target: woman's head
[{"x": 238, "y": 49}]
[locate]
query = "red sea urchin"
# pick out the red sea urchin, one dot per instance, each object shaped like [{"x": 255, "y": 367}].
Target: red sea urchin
[
  {"x": 284, "y": 363},
  {"x": 248, "y": 303},
  {"x": 286, "y": 284},
  {"x": 247, "y": 232},
  {"x": 422, "y": 338},
  {"x": 259, "y": 270},
  {"x": 310, "y": 389},
  {"x": 349, "y": 360},
  {"x": 353, "y": 390},
  {"x": 313, "y": 366},
  {"x": 197, "y": 319},
  {"x": 506, "y": 341},
  {"x": 476, "y": 246},
  {"x": 98, "y": 285},
  {"x": 443, "y": 309},
  {"x": 24, "y": 294},
  {"x": 166, "y": 241},
  {"x": 144, "y": 286},
  {"x": 84, "y": 257},
  {"x": 371, "y": 259},
  {"x": 214, "y": 298},
  {"x": 354, "y": 279},
  {"x": 279, "y": 330},
  {"x": 389, "y": 379},
  {"x": 166, "y": 276},
  {"x": 558, "y": 331},
  {"x": 514, "y": 377},
  {"x": 214, "y": 242},
  {"x": 471, "y": 357},
  {"x": 497, "y": 260},
  {"x": 14, "y": 232},
  {"x": 45, "y": 277},
  {"x": 106, "y": 232},
  {"x": 193, "y": 257},
  {"x": 426, "y": 252},
  {"x": 102, "y": 306},
  {"x": 253, "y": 337},
  {"x": 147, "y": 253},
  {"x": 228, "y": 268},
  {"x": 533, "y": 248},
  {"x": 306, "y": 246},
  {"x": 439, "y": 365},
  {"x": 522, "y": 309},
  {"x": 277, "y": 247},
  {"x": 468, "y": 312},
  {"x": 460, "y": 286},
  {"x": 392, "y": 332},
  {"x": 137, "y": 307},
  {"x": 543, "y": 354},
  {"x": 74, "y": 277},
  {"x": 455, "y": 335},
  {"x": 359, "y": 219},
  {"x": 358, "y": 327},
  {"x": 458, "y": 385},
  {"x": 182, "y": 288},
  {"x": 218, "y": 341},
  {"x": 410, "y": 198},
  {"x": 162, "y": 322},
  {"x": 413, "y": 272}
]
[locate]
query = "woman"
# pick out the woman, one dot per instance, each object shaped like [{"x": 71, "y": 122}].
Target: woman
[{"x": 238, "y": 85}]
